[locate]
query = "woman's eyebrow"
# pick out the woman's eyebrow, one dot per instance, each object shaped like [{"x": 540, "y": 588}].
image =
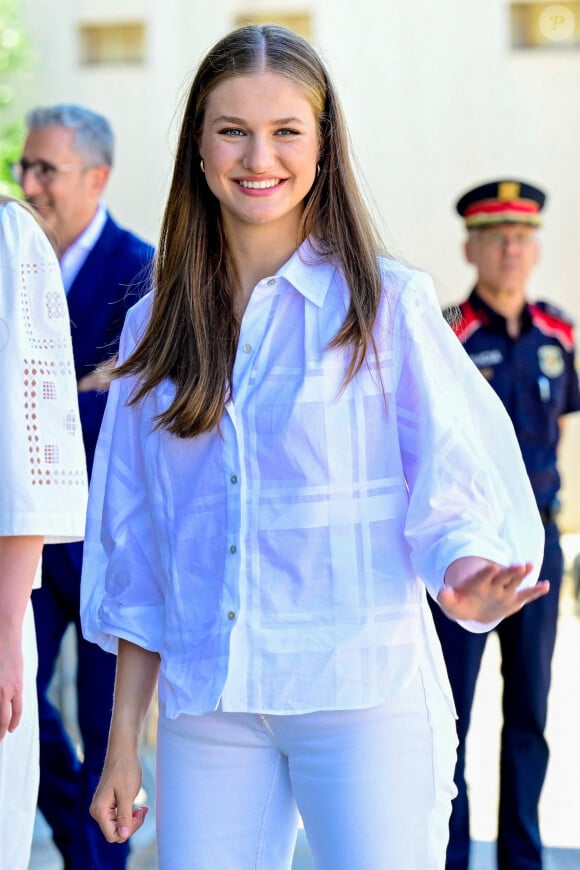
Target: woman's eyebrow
[{"x": 232, "y": 119}]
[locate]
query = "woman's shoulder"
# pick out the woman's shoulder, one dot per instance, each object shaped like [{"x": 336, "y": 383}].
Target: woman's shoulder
[
  {"x": 139, "y": 313},
  {"x": 13, "y": 209},
  {"x": 396, "y": 271},
  {"x": 24, "y": 245},
  {"x": 399, "y": 279},
  {"x": 17, "y": 218},
  {"x": 135, "y": 324}
]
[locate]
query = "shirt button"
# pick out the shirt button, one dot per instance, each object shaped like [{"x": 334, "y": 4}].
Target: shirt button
[
  {"x": 231, "y": 615},
  {"x": 234, "y": 478},
  {"x": 233, "y": 548},
  {"x": 247, "y": 348},
  {"x": 271, "y": 281}
]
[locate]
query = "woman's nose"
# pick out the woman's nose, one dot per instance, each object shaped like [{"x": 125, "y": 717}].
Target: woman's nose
[{"x": 258, "y": 155}]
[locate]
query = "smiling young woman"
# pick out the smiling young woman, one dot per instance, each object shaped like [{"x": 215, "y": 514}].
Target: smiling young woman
[{"x": 284, "y": 466}]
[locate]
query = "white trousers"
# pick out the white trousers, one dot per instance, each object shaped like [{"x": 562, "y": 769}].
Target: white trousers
[
  {"x": 373, "y": 786},
  {"x": 19, "y": 771}
]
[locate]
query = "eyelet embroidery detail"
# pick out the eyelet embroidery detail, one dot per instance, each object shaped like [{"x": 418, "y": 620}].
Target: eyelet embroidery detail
[
  {"x": 46, "y": 460},
  {"x": 33, "y": 294}
]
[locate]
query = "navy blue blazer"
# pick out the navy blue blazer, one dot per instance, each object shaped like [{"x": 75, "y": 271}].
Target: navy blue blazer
[{"x": 114, "y": 275}]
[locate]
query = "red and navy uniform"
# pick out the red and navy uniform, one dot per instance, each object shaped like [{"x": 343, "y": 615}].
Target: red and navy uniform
[
  {"x": 534, "y": 375},
  {"x": 535, "y": 378}
]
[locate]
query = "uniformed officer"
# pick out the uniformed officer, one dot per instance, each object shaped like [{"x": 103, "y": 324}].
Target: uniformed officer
[{"x": 526, "y": 351}]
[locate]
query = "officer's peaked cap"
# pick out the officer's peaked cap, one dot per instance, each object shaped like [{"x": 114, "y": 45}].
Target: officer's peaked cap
[{"x": 508, "y": 201}]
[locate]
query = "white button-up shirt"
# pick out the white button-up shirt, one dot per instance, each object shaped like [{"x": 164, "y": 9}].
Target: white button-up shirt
[{"x": 277, "y": 567}]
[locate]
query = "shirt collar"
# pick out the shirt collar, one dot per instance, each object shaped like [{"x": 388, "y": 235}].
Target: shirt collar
[
  {"x": 76, "y": 254},
  {"x": 89, "y": 236},
  {"x": 310, "y": 272},
  {"x": 492, "y": 318}
]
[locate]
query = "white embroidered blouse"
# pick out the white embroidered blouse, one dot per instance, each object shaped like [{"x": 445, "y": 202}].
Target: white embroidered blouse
[
  {"x": 277, "y": 567},
  {"x": 43, "y": 480}
]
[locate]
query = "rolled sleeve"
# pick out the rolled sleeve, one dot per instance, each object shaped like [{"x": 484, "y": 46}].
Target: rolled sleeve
[{"x": 121, "y": 589}]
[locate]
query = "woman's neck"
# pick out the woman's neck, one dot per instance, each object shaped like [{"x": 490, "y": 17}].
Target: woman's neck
[{"x": 256, "y": 253}]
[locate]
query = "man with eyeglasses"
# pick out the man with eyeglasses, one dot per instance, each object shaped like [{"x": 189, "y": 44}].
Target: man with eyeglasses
[
  {"x": 526, "y": 351},
  {"x": 65, "y": 166}
]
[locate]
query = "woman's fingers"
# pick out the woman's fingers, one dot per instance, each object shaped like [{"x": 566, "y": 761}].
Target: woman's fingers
[
  {"x": 16, "y": 711},
  {"x": 10, "y": 711},
  {"x": 104, "y": 811},
  {"x": 129, "y": 821},
  {"x": 541, "y": 588},
  {"x": 490, "y": 594},
  {"x": 511, "y": 577},
  {"x": 117, "y": 818}
]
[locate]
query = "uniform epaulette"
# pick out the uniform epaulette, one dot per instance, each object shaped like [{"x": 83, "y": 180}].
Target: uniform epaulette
[
  {"x": 554, "y": 311},
  {"x": 552, "y": 321}
]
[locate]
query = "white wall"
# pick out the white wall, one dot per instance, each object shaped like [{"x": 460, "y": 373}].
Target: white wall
[{"x": 436, "y": 99}]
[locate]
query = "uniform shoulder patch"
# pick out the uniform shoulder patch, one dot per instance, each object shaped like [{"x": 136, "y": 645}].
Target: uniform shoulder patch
[{"x": 552, "y": 321}]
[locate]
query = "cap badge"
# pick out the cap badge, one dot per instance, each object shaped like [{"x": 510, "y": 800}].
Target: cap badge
[{"x": 508, "y": 190}]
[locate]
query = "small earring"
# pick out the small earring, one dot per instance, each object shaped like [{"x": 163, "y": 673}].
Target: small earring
[
  {"x": 202, "y": 166},
  {"x": 317, "y": 169}
]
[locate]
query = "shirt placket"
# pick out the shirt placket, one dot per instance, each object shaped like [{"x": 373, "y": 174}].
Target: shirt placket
[{"x": 250, "y": 361}]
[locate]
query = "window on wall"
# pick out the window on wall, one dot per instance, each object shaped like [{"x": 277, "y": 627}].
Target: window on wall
[
  {"x": 299, "y": 22},
  {"x": 115, "y": 43},
  {"x": 545, "y": 25}
]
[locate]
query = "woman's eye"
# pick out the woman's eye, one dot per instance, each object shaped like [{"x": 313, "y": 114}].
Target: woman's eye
[
  {"x": 232, "y": 131},
  {"x": 286, "y": 131}
]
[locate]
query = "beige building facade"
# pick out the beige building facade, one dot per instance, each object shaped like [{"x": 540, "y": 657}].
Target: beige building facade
[{"x": 440, "y": 95}]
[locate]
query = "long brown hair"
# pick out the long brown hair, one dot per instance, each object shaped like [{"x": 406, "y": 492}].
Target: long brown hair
[{"x": 192, "y": 334}]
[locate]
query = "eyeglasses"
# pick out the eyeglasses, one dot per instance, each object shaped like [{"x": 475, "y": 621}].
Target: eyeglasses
[
  {"x": 44, "y": 172},
  {"x": 499, "y": 239}
]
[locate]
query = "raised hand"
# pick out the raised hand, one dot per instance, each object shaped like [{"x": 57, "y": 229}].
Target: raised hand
[{"x": 483, "y": 591}]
